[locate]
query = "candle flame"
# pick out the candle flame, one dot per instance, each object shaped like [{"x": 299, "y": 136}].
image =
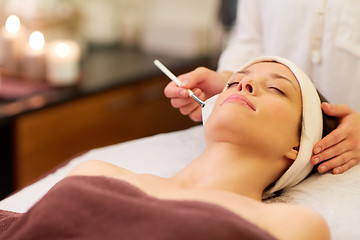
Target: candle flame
[
  {"x": 62, "y": 50},
  {"x": 12, "y": 24},
  {"x": 37, "y": 40}
]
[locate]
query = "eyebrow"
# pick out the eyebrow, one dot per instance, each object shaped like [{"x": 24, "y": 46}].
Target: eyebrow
[
  {"x": 273, "y": 75},
  {"x": 278, "y": 76},
  {"x": 244, "y": 71}
]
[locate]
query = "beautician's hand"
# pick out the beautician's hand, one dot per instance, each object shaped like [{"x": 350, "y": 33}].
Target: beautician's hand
[
  {"x": 342, "y": 146},
  {"x": 204, "y": 82}
]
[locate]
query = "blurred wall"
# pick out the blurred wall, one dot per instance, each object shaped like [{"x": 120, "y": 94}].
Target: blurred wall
[{"x": 177, "y": 27}]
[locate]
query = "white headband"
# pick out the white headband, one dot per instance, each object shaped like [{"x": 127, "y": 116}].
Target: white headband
[{"x": 312, "y": 125}]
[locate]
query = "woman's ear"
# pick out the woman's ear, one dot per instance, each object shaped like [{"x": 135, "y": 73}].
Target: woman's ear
[{"x": 292, "y": 154}]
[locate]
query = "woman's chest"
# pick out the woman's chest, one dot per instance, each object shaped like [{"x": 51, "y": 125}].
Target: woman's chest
[{"x": 165, "y": 190}]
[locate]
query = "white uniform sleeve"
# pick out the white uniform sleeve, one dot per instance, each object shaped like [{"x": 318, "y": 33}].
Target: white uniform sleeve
[{"x": 245, "y": 42}]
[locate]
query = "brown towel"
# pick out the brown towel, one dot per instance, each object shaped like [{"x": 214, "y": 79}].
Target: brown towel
[{"x": 81, "y": 207}]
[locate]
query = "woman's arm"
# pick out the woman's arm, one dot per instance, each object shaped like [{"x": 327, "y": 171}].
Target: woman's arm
[
  {"x": 97, "y": 168},
  {"x": 296, "y": 222}
]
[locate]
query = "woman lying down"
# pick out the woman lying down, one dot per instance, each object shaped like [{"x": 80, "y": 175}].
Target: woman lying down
[{"x": 259, "y": 139}]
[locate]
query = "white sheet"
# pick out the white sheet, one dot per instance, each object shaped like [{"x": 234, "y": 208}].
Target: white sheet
[
  {"x": 162, "y": 155},
  {"x": 336, "y": 197}
]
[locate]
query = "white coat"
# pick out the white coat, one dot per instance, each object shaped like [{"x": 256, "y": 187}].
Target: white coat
[{"x": 321, "y": 36}]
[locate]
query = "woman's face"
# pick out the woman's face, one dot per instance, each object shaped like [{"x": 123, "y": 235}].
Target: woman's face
[{"x": 260, "y": 108}]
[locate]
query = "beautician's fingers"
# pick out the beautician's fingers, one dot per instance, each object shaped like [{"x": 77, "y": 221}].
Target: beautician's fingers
[
  {"x": 173, "y": 91},
  {"x": 196, "y": 115},
  {"x": 336, "y": 110},
  {"x": 338, "y": 164},
  {"x": 334, "y": 162},
  {"x": 193, "y": 109},
  {"x": 179, "y": 97},
  {"x": 344, "y": 130},
  {"x": 341, "y": 150},
  {"x": 343, "y": 144},
  {"x": 181, "y": 102},
  {"x": 345, "y": 167},
  {"x": 188, "y": 106},
  {"x": 333, "y": 138},
  {"x": 188, "y": 109},
  {"x": 209, "y": 81}
]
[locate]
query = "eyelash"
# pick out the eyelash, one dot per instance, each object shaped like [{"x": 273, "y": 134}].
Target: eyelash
[
  {"x": 275, "y": 88},
  {"x": 278, "y": 90},
  {"x": 231, "y": 84}
]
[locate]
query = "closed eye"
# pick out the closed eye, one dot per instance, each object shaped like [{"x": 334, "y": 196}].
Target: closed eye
[
  {"x": 232, "y": 84},
  {"x": 277, "y": 90}
]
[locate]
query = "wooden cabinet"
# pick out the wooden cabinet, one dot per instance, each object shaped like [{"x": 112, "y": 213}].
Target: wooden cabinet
[{"x": 45, "y": 138}]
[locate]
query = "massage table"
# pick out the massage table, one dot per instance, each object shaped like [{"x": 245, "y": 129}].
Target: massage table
[{"x": 335, "y": 197}]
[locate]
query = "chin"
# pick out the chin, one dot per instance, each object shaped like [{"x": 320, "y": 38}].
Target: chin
[{"x": 221, "y": 128}]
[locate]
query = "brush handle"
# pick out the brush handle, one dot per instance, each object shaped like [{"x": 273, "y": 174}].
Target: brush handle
[{"x": 167, "y": 72}]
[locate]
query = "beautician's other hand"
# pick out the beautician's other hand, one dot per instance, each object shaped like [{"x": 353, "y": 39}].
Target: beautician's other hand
[
  {"x": 204, "y": 82},
  {"x": 339, "y": 150}
]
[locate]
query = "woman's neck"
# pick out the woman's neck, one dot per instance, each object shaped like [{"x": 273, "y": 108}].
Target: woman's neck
[{"x": 223, "y": 166}]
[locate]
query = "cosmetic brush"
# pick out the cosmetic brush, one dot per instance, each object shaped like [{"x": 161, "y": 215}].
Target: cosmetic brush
[{"x": 177, "y": 81}]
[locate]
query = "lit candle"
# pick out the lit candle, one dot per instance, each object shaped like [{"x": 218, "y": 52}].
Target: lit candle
[
  {"x": 33, "y": 62},
  {"x": 63, "y": 63},
  {"x": 10, "y": 43},
  {"x": 37, "y": 41},
  {"x": 12, "y": 24}
]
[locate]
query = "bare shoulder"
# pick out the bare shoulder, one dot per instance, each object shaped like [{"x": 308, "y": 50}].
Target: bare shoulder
[
  {"x": 292, "y": 221},
  {"x": 97, "y": 168}
]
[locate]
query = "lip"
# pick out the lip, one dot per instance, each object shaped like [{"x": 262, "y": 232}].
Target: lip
[{"x": 238, "y": 98}]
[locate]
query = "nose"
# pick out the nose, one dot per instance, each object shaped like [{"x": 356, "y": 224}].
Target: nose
[{"x": 247, "y": 85}]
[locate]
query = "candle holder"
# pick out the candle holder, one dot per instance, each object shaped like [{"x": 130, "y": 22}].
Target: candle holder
[
  {"x": 62, "y": 61},
  {"x": 10, "y": 46},
  {"x": 33, "y": 61},
  {"x": 25, "y": 56}
]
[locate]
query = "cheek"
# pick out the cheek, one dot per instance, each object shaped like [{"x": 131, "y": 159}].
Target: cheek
[{"x": 284, "y": 119}]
